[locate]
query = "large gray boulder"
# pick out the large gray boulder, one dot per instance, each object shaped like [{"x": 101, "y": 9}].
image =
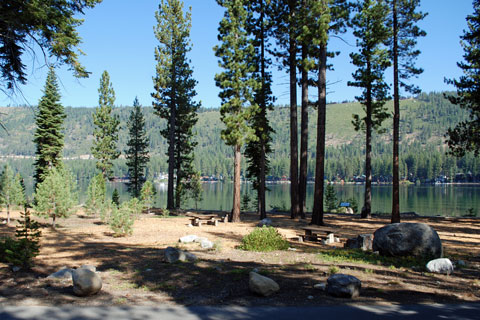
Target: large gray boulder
[
  {"x": 262, "y": 285},
  {"x": 173, "y": 255},
  {"x": 343, "y": 286},
  {"x": 86, "y": 282},
  {"x": 408, "y": 239},
  {"x": 441, "y": 265}
]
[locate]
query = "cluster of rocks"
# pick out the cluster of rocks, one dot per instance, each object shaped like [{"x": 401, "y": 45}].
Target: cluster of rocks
[
  {"x": 204, "y": 242},
  {"x": 338, "y": 285},
  {"x": 86, "y": 280}
]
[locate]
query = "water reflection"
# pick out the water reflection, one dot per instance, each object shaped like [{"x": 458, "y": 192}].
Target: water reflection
[{"x": 449, "y": 200}]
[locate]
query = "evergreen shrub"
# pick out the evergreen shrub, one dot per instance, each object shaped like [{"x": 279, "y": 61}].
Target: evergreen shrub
[{"x": 264, "y": 239}]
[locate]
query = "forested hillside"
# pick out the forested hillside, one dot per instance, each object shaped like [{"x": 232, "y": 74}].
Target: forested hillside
[{"x": 425, "y": 120}]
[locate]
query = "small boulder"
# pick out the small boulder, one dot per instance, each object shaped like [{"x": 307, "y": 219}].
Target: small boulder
[
  {"x": 262, "y": 285},
  {"x": 188, "y": 239},
  {"x": 343, "y": 286},
  {"x": 265, "y": 222},
  {"x": 64, "y": 273},
  {"x": 86, "y": 282},
  {"x": 349, "y": 210},
  {"x": 362, "y": 241},
  {"x": 442, "y": 265},
  {"x": 408, "y": 239},
  {"x": 206, "y": 244},
  {"x": 173, "y": 255}
]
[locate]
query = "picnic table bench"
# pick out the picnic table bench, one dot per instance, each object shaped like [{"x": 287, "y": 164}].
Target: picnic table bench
[
  {"x": 199, "y": 219},
  {"x": 314, "y": 233}
]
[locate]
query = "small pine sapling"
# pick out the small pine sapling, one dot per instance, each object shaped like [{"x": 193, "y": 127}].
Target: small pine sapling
[
  {"x": 26, "y": 247},
  {"x": 121, "y": 220},
  {"x": 330, "y": 198},
  {"x": 116, "y": 198},
  {"x": 147, "y": 194},
  {"x": 96, "y": 195},
  {"x": 55, "y": 196}
]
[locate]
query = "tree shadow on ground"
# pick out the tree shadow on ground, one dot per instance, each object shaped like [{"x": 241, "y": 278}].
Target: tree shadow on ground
[{"x": 134, "y": 273}]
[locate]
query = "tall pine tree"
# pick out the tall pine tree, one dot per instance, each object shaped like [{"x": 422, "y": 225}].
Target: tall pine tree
[
  {"x": 48, "y": 136},
  {"x": 256, "y": 151},
  {"x": 404, "y": 36},
  {"x": 238, "y": 85},
  {"x": 286, "y": 33},
  {"x": 174, "y": 92},
  {"x": 371, "y": 32},
  {"x": 465, "y": 137},
  {"x": 137, "y": 152},
  {"x": 332, "y": 17},
  {"x": 104, "y": 147}
]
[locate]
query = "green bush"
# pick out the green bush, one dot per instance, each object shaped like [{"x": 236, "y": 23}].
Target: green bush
[
  {"x": 264, "y": 239},
  {"x": 121, "y": 220},
  {"x": 21, "y": 251}
]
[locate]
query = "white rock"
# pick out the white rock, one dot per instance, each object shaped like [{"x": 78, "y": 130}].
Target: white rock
[
  {"x": 86, "y": 282},
  {"x": 262, "y": 285},
  {"x": 188, "y": 239},
  {"x": 206, "y": 244},
  {"x": 310, "y": 297},
  {"x": 441, "y": 265},
  {"x": 16, "y": 268}
]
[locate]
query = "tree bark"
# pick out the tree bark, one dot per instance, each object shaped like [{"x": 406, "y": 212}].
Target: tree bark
[
  {"x": 302, "y": 187},
  {"x": 261, "y": 187},
  {"x": 295, "y": 209},
  {"x": 367, "y": 206},
  {"x": 171, "y": 150},
  {"x": 396, "y": 121},
  {"x": 317, "y": 214},
  {"x": 235, "y": 213}
]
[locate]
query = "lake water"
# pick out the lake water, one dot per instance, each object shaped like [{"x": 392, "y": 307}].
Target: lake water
[{"x": 445, "y": 200}]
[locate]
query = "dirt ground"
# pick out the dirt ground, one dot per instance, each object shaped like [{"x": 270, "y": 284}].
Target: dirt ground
[{"x": 134, "y": 272}]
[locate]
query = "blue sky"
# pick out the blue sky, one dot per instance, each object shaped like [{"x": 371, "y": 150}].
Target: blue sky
[{"x": 118, "y": 37}]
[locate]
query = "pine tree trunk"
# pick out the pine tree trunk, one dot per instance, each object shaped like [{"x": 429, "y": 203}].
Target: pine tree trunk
[
  {"x": 235, "y": 214},
  {"x": 295, "y": 209},
  {"x": 396, "y": 121},
  {"x": 317, "y": 214},
  {"x": 302, "y": 187},
  {"x": 54, "y": 216},
  {"x": 8, "y": 214},
  {"x": 261, "y": 187},
  {"x": 171, "y": 156},
  {"x": 367, "y": 206},
  {"x": 177, "y": 188}
]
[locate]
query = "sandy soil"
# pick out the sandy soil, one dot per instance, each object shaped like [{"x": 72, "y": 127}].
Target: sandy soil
[{"x": 134, "y": 272}]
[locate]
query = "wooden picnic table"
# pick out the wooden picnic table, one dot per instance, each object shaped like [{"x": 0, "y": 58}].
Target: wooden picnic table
[
  {"x": 313, "y": 233},
  {"x": 199, "y": 219}
]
